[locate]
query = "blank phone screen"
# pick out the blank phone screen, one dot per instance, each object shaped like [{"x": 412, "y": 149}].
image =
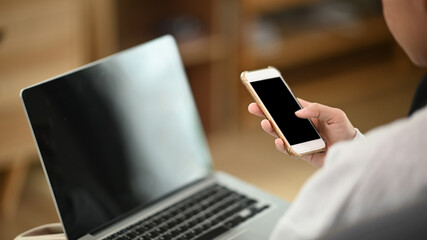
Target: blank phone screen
[{"x": 282, "y": 107}]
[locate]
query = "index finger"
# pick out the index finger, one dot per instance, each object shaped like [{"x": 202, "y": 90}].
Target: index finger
[{"x": 255, "y": 110}]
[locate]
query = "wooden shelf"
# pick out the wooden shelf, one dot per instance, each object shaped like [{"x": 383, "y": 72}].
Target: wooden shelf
[
  {"x": 202, "y": 50},
  {"x": 265, "y": 6},
  {"x": 303, "y": 47}
]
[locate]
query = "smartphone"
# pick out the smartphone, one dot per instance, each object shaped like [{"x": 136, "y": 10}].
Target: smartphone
[{"x": 278, "y": 103}]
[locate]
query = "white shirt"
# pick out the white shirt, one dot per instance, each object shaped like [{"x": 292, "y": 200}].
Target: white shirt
[{"x": 361, "y": 178}]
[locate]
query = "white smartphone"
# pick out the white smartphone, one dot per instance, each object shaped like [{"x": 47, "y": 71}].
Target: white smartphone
[{"x": 279, "y": 105}]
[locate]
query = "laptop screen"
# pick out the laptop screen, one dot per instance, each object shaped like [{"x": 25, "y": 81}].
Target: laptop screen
[{"x": 117, "y": 135}]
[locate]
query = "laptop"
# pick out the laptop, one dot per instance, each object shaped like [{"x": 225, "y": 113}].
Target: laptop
[{"x": 125, "y": 156}]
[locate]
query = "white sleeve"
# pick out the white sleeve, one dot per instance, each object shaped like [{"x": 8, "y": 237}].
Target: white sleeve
[
  {"x": 358, "y": 135},
  {"x": 360, "y": 179}
]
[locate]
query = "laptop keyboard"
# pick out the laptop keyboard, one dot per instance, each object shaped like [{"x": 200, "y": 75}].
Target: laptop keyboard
[{"x": 205, "y": 215}]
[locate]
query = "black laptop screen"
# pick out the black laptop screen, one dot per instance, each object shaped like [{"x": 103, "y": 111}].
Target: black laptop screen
[{"x": 117, "y": 135}]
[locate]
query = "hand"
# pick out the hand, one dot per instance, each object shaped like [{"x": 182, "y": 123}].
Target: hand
[{"x": 332, "y": 124}]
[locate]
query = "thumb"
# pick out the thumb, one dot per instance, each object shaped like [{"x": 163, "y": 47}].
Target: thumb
[{"x": 319, "y": 111}]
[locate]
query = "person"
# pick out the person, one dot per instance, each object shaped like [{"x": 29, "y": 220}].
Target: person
[{"x": 361, "y": 177}]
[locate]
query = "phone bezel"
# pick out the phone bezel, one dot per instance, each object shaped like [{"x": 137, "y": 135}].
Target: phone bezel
[{"x": 300, "y": 149}]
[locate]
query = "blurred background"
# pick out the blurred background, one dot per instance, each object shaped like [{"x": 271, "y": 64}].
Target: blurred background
[{"x": 335, "y": 52}]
